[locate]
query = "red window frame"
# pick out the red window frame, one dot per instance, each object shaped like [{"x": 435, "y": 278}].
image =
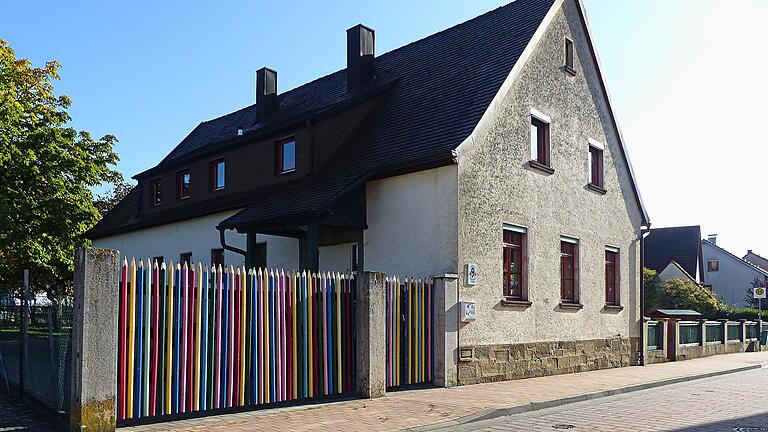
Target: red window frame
[
  {"x": 612, "y": 271},
  {"x": 183, "y": 187},
  {"x": 514, "y": 264},
  {"x": 596, "y": 166},
  {"x": 214, "y": 175},
  {"x": 542, "y": 140},
  {"x": 155, "y": 193},
  {"x": 569, "y": 258},
  {"x": 280, "y": 156}
]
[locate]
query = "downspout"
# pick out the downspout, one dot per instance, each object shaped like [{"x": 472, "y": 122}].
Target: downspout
[
  {"x": 225, "y": 246},
  {"x": 643, "y": 232}
]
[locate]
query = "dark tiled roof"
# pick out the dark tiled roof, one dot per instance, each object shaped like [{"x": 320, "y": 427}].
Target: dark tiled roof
[
  {"x": 756, "y": 259},
  {"x": 681, "y": 244},
  {"x": 436, "y": 89}
]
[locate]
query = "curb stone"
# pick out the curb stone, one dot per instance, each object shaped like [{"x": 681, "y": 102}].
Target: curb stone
[{"x": 540, "y": 405}]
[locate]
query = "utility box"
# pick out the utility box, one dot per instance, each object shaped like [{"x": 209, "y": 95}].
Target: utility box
[{"x": 466, "y": 311}]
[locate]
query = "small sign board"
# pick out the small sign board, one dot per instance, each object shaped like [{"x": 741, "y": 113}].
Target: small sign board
[
  {"x": 471, "y": 272},
  {"x": 759, "y": 292},
  {"x": 467, "y": 311}
]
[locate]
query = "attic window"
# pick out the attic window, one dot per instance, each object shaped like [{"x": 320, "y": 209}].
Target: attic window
[
  {"x": 155, "y": 193},
  {"x": 595, "y": 161},
  {"x": 183, "y": 182},
  {"x": 713, "y": 265},
  {"x": 540, "y": 141},
  {"x": 568, "y": 66},
  {"x": 285, "y": 156}
]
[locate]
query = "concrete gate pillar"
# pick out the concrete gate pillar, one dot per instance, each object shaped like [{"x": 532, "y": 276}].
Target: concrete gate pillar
[
  {"x": 445, "y": 344},
  {"x": 94, "y": 340},
  {"x": 371, "y": 334}
]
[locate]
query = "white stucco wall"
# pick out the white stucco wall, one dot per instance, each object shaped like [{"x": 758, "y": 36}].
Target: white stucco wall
[
  {"x": 198, "y": 236},
  {"x": 336, "y": 258},
  {"x": 733, "y": 277},
  {"x": 497, "y": 187},
  {"x": 674, "y": 272},
  {"x": 412, "y": 223}
]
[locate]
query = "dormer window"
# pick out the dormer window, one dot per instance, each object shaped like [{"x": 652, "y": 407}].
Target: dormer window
[
  {"x": 217, "y": 175},
  {"x": 285, "y": 156},
  {"x": 155, "y": 193},
  {"x": 568, "y": 66},
  {"x": 183, "y": 180}
]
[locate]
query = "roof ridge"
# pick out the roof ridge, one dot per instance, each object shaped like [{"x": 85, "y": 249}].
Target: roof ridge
[{"x": 760, "y": 269}]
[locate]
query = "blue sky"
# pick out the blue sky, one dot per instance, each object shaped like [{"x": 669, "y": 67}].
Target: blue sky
[{"x": 149, "y": 72}]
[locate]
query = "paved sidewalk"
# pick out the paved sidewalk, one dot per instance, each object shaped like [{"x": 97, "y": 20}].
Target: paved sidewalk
[{"x": 422, "y": 408}]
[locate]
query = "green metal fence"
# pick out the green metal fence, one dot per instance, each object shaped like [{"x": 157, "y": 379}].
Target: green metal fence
[
  {"x": 714, "y": 332},
  {"x": 690, "y": 333},
  {"x": 654, "y": 336},
  {"x": 752, "y": 331},
  {"x": 734, "y": 331}
]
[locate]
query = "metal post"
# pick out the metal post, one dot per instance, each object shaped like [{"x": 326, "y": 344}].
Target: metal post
[{"x": 24, "y": 315}]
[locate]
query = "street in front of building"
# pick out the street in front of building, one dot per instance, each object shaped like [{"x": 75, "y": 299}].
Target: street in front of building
[{"x": 734, "y": 402}]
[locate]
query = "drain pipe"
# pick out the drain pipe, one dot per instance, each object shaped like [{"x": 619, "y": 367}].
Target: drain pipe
[
  {"x": 643, "y": 232},
  {"x": 225, "y": 246}
]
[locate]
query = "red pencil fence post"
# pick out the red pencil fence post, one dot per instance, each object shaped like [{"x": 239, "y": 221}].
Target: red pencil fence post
[{"x": 94, "y": 340}]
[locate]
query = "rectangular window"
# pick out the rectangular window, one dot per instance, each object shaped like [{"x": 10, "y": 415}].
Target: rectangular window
[
  {"x": 596, "y": 166},
  {"x": 158, "y": 260},
  {"x": 540, "y": 140},
  {"x": 155, "y": 193},
  {"x": 185, "y": 258},
  {"x": 569, "y": 55},
  {"x": 713, "y": 265},
  {"x": 285, "y": 156},
  {"x": 217, "y": 175},
  {"x": 514, "y": 262},
  {"x": 569, "y": 258},
  {"x": 612, "y": 276},
  {"x": 217, "y": 257},
  {"x": 183, "y": 180}
]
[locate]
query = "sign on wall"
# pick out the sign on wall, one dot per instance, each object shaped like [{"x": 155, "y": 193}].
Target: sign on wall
[{"x": 471, "y": 274}]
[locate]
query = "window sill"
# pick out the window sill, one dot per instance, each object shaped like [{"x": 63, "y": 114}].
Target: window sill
[
  {"x": 282, "y": 173},
  {"x": 541, "y": 167},
  {"x": 573, "y": 306},
  {"x": 595, "y": 188},
  {"x": 571, "y": 71},
  {"x": 518, "y": 303},
  {"x": 613, "y": 307}
]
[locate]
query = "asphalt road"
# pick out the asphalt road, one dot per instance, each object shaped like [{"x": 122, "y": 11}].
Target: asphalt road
[{"x": 736, "y": 402}]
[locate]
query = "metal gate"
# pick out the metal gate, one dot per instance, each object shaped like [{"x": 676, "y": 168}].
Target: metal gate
[
  {"x": 410, "y": 330},
  {"x": 205, "y": 339}
]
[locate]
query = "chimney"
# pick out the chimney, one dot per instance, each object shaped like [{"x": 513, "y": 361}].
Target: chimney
[
  {"x": 712, "y": 238},
  {"x": 266, "y": 93},
  {"x": 360, "y": 52}
]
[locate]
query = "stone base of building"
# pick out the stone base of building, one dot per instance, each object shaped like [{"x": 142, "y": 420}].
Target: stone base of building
[
  {"x": 491, "y": 363},
  {"x": 697, "y": 351}
]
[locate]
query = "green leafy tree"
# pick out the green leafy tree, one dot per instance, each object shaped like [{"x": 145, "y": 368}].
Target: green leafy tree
[
  {"x": 651, "y": 289},
  {"x": 680, "y": 294},
  {"x": 120, "y": 189},
  {"x": 46, "y": 172}
]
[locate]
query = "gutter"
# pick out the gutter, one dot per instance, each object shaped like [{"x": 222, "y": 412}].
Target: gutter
[
  {"x": 225, "y": 246},
  {"x": 643, "y": 233}
]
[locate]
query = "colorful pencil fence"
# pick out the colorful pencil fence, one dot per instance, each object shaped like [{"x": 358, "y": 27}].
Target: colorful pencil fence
[
  {"x": 198, "y": 338},
  {"x": 410, "y": 330}
]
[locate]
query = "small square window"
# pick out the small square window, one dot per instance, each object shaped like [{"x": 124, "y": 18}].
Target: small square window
[
  {"x": 183, "y": 180},
  {"x": 285, "y": 156},
  {"x": 713, "y": 265},
  {"x": 217, "y": 257},
  {"x": 155, "y": 193},
  {"x": 596, "y": 166},
  {"x": 569, "y": 56},
  {"x": 186, "y": 258},
  {"x": 540, "y": 141},
  {"x": 218, "y": 175},
  {"x": 158, "y": 260}
]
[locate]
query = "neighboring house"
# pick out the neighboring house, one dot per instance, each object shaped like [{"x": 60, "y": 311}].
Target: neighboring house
[
  {"x": 756, "y": 259},
  {"x": 492, "y": 142},
  {"x": 681, "y": 245},
  {"x": 729, "y": 276},
  {"x": 673, "y": 270}
]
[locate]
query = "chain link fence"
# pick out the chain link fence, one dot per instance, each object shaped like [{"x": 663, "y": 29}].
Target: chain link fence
[{"x": 35, "y": 359}]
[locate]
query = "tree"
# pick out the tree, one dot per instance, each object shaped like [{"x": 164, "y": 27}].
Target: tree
[
  {"x": 46, "y": 172},
  {"x": 651, "y": 289},
  {"x": 120, "y": 189},
  {"x": 680, "y": 294},
  {"x": 750, "y": 299}
]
